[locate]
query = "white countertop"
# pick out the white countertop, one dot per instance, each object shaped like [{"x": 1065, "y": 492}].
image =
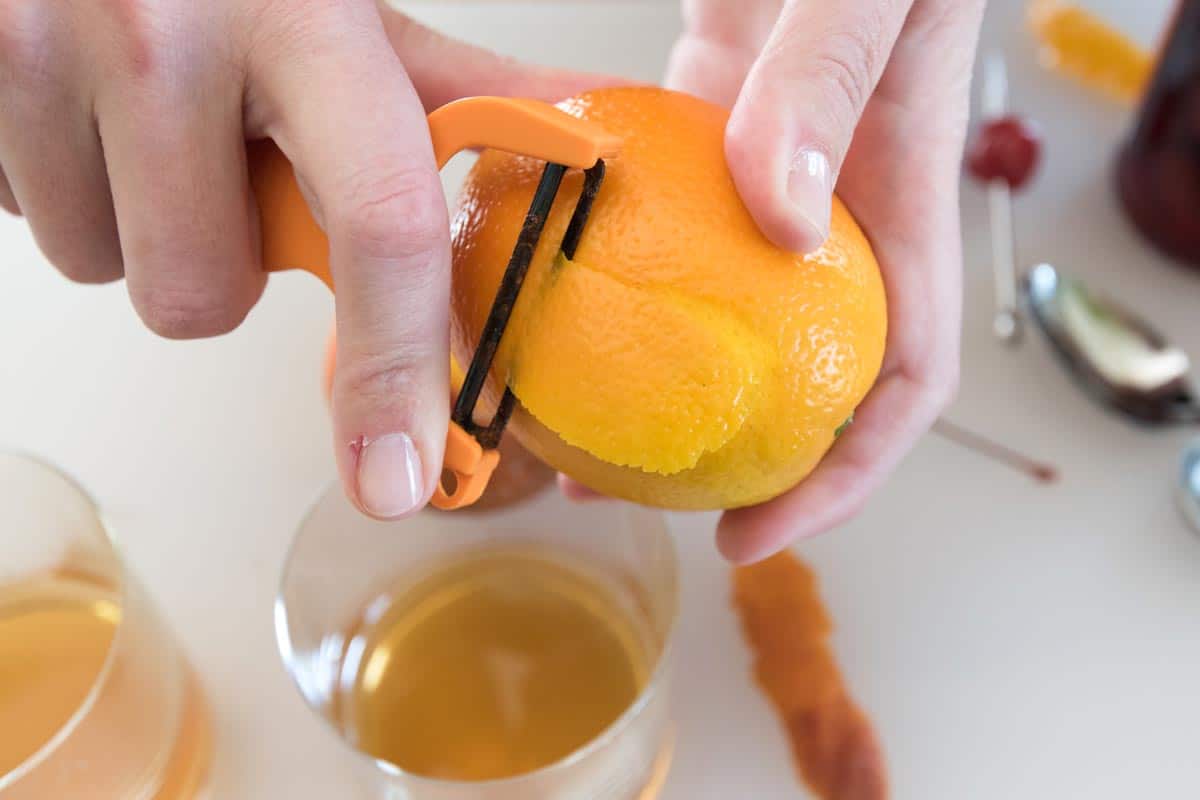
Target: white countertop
[{"x": 1010, "y": 640}]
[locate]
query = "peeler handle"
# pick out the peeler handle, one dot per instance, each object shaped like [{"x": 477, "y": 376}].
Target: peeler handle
[{"x": 292, "y": 239}]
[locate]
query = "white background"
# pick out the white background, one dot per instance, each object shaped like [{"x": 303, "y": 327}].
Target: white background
[{"x": 1010, "y": 640}]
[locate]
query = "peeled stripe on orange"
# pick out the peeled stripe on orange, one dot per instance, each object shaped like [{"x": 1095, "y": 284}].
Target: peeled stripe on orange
[{"x": 679, "y": 359}]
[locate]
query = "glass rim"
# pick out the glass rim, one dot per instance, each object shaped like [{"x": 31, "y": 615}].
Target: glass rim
[
  {"x": 39, "y": 756},
  {"x": 591, "y": 746}
]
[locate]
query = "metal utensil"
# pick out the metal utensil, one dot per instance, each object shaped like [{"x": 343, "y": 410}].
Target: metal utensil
[
  {"x": 1121, "y": 362},
  {"x": 1115, "y": 356},
  {"x": 1118, "y": 358},
  {"x": 1006, "y": 322}
]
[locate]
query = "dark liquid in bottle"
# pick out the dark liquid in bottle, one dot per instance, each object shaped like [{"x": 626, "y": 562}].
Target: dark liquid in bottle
[{"x": 1158, "y": 170}]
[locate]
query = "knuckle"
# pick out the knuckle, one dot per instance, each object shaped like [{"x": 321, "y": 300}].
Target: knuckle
[
  {"x": 148, "y": 47},
  {"x": 946, "y": 20},
  {"x": 399, "y": 213},
  {"x": 748, "y": 139},
  {"x": 297, "y": 11},
  {"x": 272, "y": 27},
  {"x": 844, "y": 69},
  {"x": 943, "y": 385},
  {"x": 844, "y": 66},
  {"x": 87, "y": 267},
  {"x": 743, "y": 142},
  {"x": 82, "y": 256},
  {"x": 950, "y": 383},
  {"x": 184, "y": 313},
  {"x": 192, "y": 273},
  {"x": 385, "y": 377},
  {"x": 26, "y": 41}
]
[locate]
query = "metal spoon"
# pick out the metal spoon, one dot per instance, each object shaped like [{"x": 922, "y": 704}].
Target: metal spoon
[
  {"x": 1123, "y": 363},
  {"x": 1116, "y": 357}
]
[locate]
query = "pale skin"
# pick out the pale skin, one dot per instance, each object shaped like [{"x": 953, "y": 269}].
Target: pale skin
[{"x": 122, "y": 130}]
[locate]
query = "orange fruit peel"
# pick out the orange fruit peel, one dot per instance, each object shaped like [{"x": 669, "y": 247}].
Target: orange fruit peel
[
  {"x": 836, "y": 750},
  {"x": 679, "y": 359},
  {"x": 1076, "y": 42},
  {"x": 707, "y": 374}
]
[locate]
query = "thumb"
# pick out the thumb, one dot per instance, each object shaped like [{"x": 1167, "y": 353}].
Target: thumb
[{"x": 793, "y": 121}]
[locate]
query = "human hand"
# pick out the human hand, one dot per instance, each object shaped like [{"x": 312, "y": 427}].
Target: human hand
[
  {"x": 123, "y": 143},
  {"x": 870, "y": 95}
]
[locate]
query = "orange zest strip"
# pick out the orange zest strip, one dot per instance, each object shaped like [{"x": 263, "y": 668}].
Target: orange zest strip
[
  {"x": 833, "y": 742},
  {"x": 1077, "y": 43}
]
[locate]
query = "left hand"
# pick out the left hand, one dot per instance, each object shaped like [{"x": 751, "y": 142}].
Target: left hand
[{"x": 870, "y": 95}]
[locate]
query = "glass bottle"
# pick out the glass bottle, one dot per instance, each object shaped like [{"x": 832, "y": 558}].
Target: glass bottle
[{"x": 1158, "y": 167}]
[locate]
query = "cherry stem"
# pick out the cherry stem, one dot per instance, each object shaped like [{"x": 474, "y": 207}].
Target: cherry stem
[{"x": 994, "y": 451}]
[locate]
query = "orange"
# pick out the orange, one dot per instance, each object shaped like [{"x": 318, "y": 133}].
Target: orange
[{"x": 680, "y": 359}]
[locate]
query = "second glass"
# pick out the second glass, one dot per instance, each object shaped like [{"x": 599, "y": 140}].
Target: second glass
[
  {"x": 97, "y": 700},
  {"x": 509, "y": 655}
]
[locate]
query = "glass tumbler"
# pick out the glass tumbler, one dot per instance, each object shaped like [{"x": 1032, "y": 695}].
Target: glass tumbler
[
  {"x": 96, "y": 700},
  {"x": 344, "y": 567}
]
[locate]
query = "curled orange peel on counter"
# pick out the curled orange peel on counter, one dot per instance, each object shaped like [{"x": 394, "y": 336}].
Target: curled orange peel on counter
[{"x": 833, "y": 742}]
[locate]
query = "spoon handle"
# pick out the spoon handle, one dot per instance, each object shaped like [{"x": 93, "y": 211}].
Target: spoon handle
[
  {"x": 1005, "y": 323},
  {"x": 994, "y": 105}
]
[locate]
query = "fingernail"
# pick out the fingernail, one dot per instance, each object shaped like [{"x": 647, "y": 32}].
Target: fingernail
[
  {"x": 810, "y": 188},
  {"x": 389, "y": 476}
]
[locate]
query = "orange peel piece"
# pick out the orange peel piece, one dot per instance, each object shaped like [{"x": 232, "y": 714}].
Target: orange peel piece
[
  {"x": 834, "y": 745},
  {"x": 1076, "y": 42},
  {"x": 707, "y": 372}
]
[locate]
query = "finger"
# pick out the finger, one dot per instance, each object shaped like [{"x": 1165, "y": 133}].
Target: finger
[
  {"x": 7, "y": 201},
  {"x": 53, "y": 164},
  {"x": 719, "y": 43},
  {"x": 574, "y": 490},
  {"x": 793, "y": 121},
  {"x": 897, "y": 412},
  {"x": 918, "y": 246},
  {"x": 332, "y": 94},
  {"x": 176, "y": 162},
  {"x": 427, "y": 56}
]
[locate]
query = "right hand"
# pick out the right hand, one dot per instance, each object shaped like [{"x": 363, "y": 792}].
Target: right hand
[
  {"x": 123, "y": 143},
  {"x": 871, "y": 95}
]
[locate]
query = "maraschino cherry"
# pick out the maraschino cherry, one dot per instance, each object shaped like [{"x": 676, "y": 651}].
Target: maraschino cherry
[{"x": 1006, "y": 148}]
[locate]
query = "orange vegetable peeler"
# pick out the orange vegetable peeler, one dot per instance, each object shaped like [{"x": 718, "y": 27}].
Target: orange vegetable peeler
[{"x": 292, "y": 239}]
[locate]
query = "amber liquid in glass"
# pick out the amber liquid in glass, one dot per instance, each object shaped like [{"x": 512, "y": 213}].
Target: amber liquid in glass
[
  {"x": 1158, "y": 168},
  {"x": 490, "y": 666},
  {"x": 55, "y": 635},
  {"x": 56, "y": 632}
]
